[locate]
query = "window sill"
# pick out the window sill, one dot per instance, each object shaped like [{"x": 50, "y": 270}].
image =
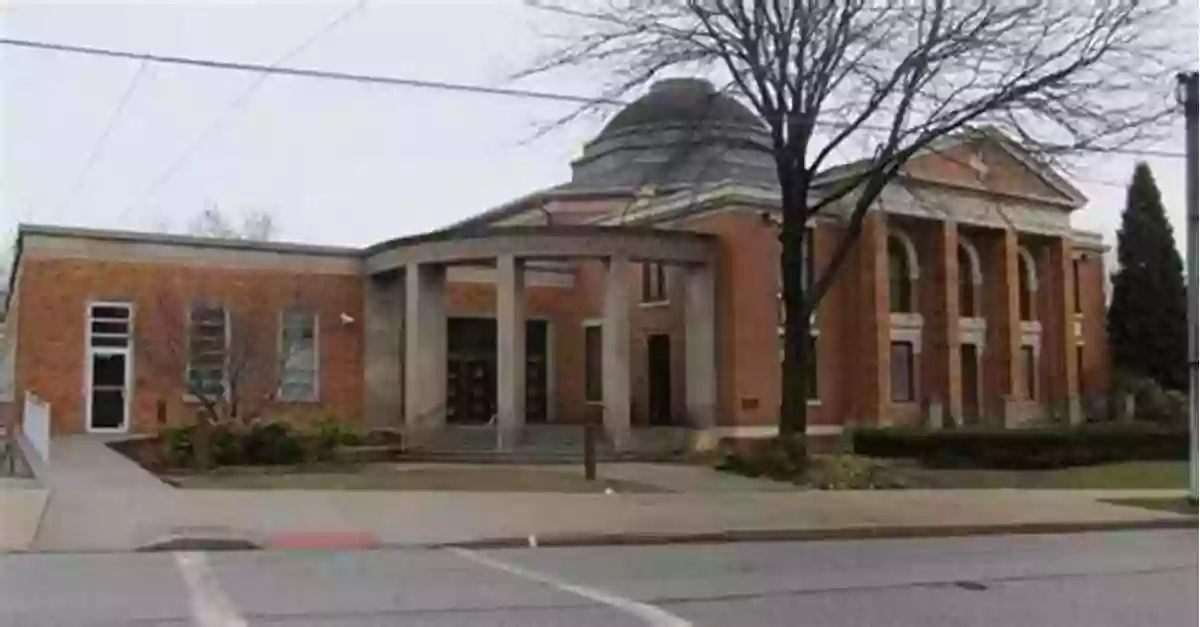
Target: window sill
[
  {"x": 298, "y": 401},
  {"x": 655, "y": 304},
  {"x": 813, "y": 402}
]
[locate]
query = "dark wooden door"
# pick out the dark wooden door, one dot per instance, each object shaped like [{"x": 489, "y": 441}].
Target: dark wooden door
[
  {"x": 659, "y": 378},
  {"x": 969, "y": 355}
]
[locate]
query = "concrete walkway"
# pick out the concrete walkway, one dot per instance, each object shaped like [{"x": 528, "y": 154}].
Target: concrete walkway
[
  {"x": 85, "y": 462},
  {"x": 111, "y": 519}
]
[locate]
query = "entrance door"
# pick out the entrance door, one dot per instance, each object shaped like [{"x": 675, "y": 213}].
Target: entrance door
[
  {"x": 969, "y": 356},
  {"x": 110, "y": 333},
  {"x": 107, "y": 391},
  {"x": 659, "y": 375}
]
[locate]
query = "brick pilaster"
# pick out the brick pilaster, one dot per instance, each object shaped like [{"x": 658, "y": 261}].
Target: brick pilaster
[
  {"x": 1002, "y": 308},
  {"x": 942, "y": 313},
  {"x": 874, "y": 384},
  {"x": 1058, "y": 338}
]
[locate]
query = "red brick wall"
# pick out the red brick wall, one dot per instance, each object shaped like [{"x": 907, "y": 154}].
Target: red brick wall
[
  {"x": 52, "y": 331},
  {"x": 1096, "y": 374}
]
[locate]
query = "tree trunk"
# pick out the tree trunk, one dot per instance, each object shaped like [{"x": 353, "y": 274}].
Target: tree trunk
[
  {"x": 202, "y": 442},
  {"x": 793, "y": 410}
]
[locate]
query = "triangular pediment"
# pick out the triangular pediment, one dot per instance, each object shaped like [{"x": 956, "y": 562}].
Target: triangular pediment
[{"x": 992, "y": 165}]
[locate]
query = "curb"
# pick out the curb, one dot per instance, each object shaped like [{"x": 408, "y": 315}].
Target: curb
[{"x": 814, "y": 535}]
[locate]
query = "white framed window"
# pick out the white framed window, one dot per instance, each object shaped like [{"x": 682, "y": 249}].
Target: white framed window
[
  {"x": 299, "y": 356},
  {"x": 109, "y": 325},
  {"x": 207, "y": 330}
]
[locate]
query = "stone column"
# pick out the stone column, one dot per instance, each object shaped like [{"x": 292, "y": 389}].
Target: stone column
[
  {"x": 700, "y": 345},
  {"x": 615, "y": 351},
  {"x": 874, "y": 391},
  {"x": 425, "y": 348},
  {"x": 1058, "y": 337},
  {"x": 383, "y": 345},
  {"x": 944, "y": 341},
  {"x": 510, "y": 349}
]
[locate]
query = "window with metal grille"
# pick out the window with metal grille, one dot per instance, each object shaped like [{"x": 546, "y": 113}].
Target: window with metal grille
[
  {"x": 207, "y": 349},
  {"x": 298, "y": 355}
]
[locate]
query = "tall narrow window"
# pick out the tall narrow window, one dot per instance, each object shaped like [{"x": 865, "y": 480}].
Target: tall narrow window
[
  {"x": 1075, "y": 272},
  {"x": 593, "y": 390},
  {"x": 208, "y": 347},
  {"x": 903, "y": 379},
  {"x": 654, "y": 282},
  {"x": 813, "y": 366},
  {"x": 1025, "y": 283},
  {"x": 900, "y": 289},
  {"x": 966, "y": 284},
  {"x": 109, "y": 326},
  {"x": 1029, "y": 365},
  {"x": 298, "y": 359},
  {"x": 1080, "y": 379}
]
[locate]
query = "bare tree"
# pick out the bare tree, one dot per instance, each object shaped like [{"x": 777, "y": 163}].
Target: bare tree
[
  {"x": 230, "y": 360},
  {"x": 902, "y": 77},
  {"x": 254, "y": 225}
]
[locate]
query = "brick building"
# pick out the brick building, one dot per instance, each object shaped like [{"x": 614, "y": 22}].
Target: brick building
[{"x": 644, "y": 291}]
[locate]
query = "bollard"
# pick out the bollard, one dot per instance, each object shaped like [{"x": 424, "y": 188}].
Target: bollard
[{"x": 589, "y": 451}]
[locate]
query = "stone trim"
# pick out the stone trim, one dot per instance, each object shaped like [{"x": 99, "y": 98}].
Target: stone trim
[{"x": 769, "y": 431}]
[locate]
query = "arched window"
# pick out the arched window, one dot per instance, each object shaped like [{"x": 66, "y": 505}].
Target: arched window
[
  {"x": 902, "y": 274},
  {"x": 1027, "y": 283},
  {"x": 969, "y": 278}
]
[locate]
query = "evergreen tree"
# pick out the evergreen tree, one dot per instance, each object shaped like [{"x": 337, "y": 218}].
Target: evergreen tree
[{"x": 1147, "y": 320}]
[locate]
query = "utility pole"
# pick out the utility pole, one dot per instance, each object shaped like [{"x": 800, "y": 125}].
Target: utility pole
[{"x": 1188, "y": 94}]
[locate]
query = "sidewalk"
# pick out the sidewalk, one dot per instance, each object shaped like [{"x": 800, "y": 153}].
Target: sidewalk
[{"x": 117, "y": 520}]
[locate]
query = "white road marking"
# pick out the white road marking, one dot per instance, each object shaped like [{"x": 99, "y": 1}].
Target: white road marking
[
  {"x": 651, "y": 615},
  {"x": 210, "y": 606}
]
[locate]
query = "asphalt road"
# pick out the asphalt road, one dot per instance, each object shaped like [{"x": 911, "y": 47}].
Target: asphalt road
[{"x": 1094, "y": 580}]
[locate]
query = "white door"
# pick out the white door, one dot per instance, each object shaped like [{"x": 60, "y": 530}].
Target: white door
[{"x": 106, "y": 383}]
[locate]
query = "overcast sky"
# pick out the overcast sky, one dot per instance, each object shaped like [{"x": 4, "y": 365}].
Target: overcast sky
[{"x": 336, "y": 163}]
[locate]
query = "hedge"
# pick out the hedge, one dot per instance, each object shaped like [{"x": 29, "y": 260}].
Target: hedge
[{"x": 1025, "y": 448}]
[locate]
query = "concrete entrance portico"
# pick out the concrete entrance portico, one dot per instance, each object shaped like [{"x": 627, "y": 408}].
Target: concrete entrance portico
[{"x": 413, "y": 272}]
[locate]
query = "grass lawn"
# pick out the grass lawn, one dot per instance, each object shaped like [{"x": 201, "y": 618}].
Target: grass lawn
[
  {"x": 1141, "y": 475},
  {"x": 448, "y": 477}
]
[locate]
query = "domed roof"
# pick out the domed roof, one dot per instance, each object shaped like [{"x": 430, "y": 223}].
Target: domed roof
[
  {"x": 682, "y": 133},
  {"x": 680, "y": 101}
]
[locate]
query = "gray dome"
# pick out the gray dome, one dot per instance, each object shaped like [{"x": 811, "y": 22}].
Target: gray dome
[
  {"x": 679, "y": 101},
  {"x": 683, "y": 132}
]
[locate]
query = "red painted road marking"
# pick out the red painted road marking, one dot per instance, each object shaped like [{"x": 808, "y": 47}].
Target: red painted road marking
[{"x": 327, "y": 540}]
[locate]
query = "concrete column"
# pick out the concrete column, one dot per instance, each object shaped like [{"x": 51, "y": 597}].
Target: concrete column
[
  {"x": 1058, "y": 335},
  {"x": 1002, "y": 308},
  {"x": 874, "y": 391},
  {"x": 510, "y": 349},
  {"x": 700, "y": 344},
  {"x": 615, "y": 351},
  {"x": 425, "y": 348},
  {"x": 946, "y": 366},
  {"x": 383, "y": 345}
]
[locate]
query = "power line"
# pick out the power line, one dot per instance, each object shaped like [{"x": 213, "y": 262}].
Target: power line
[
  {"x": 236, "y": 104},
  {"x": 419, "y": 83},
  {"x": 102, "y": 142},
  {"x": 306, "y": 72}
]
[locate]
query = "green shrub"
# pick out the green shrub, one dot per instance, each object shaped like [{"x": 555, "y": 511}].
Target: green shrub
[
  {"x": 227, "y": 449},
  {"x": 849, "y": 472},
  {"x": 272, "y": 443},
  {"x": 1055, "y": 447},
  {"x": 773, "y": 458},
  {"x": 177, "y": 445},
  {"x": 330, "y": 434}
]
